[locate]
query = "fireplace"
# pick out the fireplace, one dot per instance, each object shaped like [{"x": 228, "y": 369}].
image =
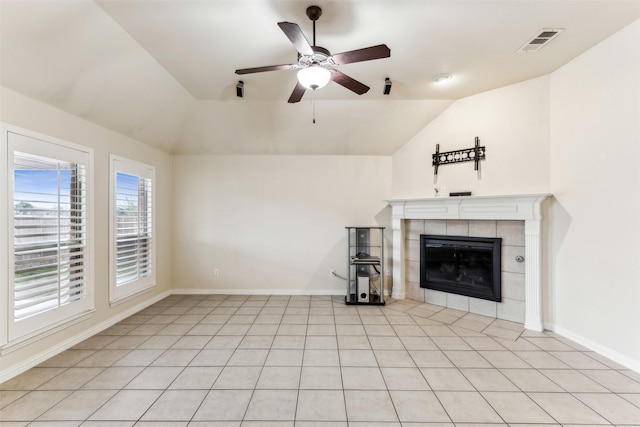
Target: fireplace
[
  {"x": 467, "y": 266},
  {"x": 522, "y": 207}
]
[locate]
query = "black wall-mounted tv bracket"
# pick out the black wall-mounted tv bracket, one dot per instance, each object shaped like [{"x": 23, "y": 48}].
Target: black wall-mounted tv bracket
[{"x": 474, "y": 154}]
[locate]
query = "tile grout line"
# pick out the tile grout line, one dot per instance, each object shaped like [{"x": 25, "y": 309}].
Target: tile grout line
[
  {"x": 218, "y": 375},
  {"x": 151, "y": 364},
  {"x": 405, "y": 349},
  {"x": 304, "y": 349}
]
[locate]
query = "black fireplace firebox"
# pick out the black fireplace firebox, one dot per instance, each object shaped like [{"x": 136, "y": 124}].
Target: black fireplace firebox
[{"x": 467, "y": 266}]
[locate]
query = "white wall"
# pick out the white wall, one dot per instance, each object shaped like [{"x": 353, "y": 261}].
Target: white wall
[
  {"x": 272, "y": 223},
  {"x": 595, "y": 179},
  {"x": 512, "y": 123},
  {"x": 21, "y": 111}
]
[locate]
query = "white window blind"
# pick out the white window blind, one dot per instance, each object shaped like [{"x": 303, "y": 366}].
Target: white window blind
[
  {"x": 132, "y": 235},
  {"x": 49, "y": 231}
]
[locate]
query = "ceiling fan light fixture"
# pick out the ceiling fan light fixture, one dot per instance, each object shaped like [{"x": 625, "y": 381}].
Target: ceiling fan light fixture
[{"x": 314, "y": 77}]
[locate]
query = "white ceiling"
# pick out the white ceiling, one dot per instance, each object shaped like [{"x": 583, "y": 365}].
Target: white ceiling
[{"x": 163, "y": 71}]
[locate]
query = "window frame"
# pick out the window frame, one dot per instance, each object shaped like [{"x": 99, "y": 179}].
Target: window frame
[
  {"x": 23, "y": 140},
  {"x": 119, "y": 164}
]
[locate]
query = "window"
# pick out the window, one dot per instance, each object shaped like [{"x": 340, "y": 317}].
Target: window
[
  {"x": 49, "y": 232},
  {"x": 132, "y": 232}
]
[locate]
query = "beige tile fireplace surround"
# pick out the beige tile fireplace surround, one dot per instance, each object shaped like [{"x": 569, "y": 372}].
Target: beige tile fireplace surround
[
  {"x": 512, "y": 306},
  {"x": 517, "y": 219}
]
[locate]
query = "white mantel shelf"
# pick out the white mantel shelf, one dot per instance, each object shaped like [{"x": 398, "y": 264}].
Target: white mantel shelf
[{"x": 524, "y": 207}]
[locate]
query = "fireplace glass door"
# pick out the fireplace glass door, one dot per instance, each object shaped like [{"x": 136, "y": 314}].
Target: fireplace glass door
[{"x": 467, "y": 266}]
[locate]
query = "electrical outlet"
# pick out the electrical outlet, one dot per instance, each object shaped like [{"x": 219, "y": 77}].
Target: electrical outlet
[
  {"x": 216, "y": 272},
  {"x": 332, "y": 272}
]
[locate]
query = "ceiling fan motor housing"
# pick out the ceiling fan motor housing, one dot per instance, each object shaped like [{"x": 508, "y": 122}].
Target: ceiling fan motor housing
[{"x": 321, "y": 56}]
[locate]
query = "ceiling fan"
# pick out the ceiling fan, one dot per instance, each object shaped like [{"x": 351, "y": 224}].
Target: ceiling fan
[{"x": 315, "y": 63}]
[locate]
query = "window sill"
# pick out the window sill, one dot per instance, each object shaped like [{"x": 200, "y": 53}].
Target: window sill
[
  {"x": 26, "y": 340},
  {"x": 124, "y": 298}
]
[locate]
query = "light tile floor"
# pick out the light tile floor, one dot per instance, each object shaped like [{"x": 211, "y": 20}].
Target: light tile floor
[{"x": 278, "y": 361}]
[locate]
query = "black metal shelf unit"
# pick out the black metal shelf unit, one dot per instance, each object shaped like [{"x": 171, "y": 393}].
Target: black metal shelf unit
[{"x": 365, "y": 269}]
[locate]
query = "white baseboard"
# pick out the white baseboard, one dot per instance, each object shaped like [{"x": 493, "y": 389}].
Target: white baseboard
[
  {"x": 197, "y": 291},
  {"x": 36, "y": 359},
  {"x": 598, "y": 348}
]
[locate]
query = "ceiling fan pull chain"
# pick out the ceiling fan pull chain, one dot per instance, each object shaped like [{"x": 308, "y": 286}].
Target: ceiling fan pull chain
[{"x": 313, "y": 104}]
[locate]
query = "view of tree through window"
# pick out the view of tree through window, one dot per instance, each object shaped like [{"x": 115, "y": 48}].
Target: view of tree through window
[
  {"x": 133, "y": 228},
  {"x": 49, "y": 233}
]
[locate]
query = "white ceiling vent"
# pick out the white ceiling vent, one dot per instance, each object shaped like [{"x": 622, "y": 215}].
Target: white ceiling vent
[{"x": 542, "y": 38}]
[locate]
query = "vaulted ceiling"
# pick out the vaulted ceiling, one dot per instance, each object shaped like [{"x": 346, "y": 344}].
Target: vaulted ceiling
[{"x": 162, "y": 71}]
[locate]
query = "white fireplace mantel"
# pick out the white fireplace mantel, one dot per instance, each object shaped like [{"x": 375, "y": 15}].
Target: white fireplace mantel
[{"x": 524, "y": 207}]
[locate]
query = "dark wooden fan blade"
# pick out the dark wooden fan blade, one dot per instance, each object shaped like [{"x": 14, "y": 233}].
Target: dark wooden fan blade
[
  {"x": 297, "y": 93},
  {"x": 295, "y": 34},
  {"x": 365, "y": 54},
  {"x": 346, "y": 81},
  {"x": 267, "y": 68}
]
